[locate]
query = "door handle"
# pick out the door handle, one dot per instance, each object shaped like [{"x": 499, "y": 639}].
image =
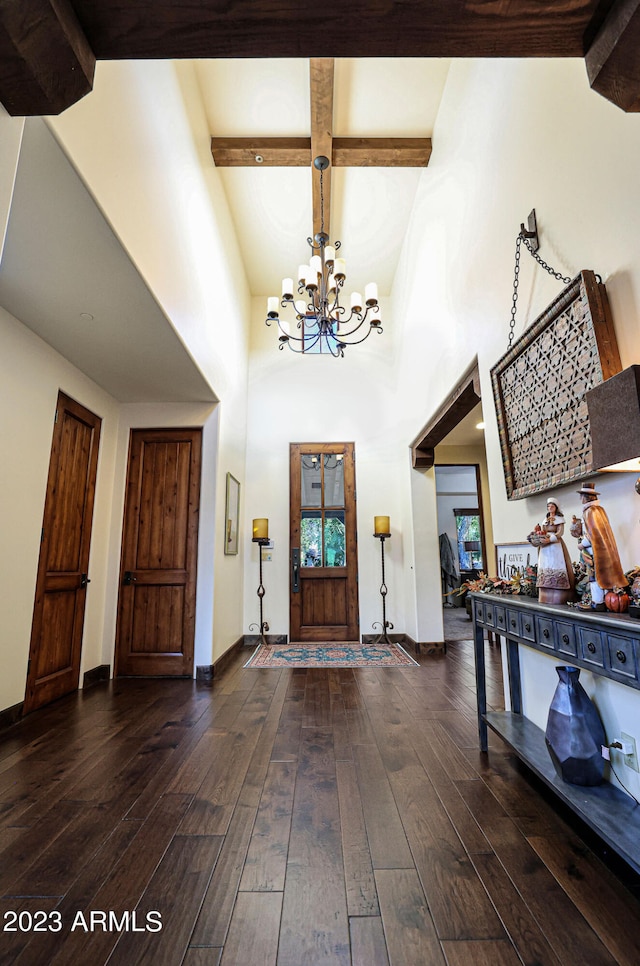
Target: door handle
[
  {"x": 129, "y": 578},
  {"x": 84, "y": 580},
  {"x": 295, "y": 570}
]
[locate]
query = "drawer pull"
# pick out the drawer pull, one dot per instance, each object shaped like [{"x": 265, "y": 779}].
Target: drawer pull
[
  {"x": 501, "y": 620},
  {"x": 545, "y": 632},
  {"x": 527, "y": 627},
  {"x": 591, "y": 647},
  {"x": 622, "y": 657},
  {"x": 565, "y": 638}
]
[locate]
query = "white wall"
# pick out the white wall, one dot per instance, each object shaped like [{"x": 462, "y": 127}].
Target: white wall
[
  {"x": 11, "y": 129},
  {"x": 140, "y": 141},
  {"x": 511, "y": 136},
  {"x": 31, "y": 374},
  {"x": 322, "y": 399}
]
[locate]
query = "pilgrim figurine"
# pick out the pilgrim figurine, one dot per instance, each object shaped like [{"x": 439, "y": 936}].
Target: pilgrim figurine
[
  {"x": 598, "y": 549},
  {"x": 555, "y": 578}
]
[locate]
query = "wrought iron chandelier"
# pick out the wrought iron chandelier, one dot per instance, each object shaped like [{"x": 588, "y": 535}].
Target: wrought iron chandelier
[{"x": 322, "y": 324}]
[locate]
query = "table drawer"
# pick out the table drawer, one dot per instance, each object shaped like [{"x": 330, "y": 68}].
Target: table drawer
[
  {"x": 566, "y": 639},
  {"x": 490, "y": 614},
  {"x": 513, "y": 623},
  {"x": 591, "y": 647},
  {"x": 527, "y": 627},
  {"x": 545, "y": 636},
  {"x": 622, "y": 656},
  {"x": 500, "y": 618}
]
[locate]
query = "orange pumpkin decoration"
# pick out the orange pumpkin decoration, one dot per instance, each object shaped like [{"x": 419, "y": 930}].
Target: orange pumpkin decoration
[{"x": 616, "y": 602}]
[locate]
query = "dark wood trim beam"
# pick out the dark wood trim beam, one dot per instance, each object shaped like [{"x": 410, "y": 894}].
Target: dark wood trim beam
[
  {"x": 462, "y": 400},
  {"x": 613, "y": 60},
  {"x": 140, "y": 29},
  {"x": 46, "y": 63},
  {"x": 381, "y": 152},
  {"x": 274, "y": 152}
]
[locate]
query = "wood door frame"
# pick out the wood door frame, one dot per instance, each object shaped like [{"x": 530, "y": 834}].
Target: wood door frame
[
  {"x": 38, "y": 691},
  {"x": 351, "y": 569}
]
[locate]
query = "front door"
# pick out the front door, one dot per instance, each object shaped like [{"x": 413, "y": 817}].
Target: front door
[
  {"x": 157, "y": 604},
  {"x": 323, "y": 543},
  {"x": 61, "y": 586}
]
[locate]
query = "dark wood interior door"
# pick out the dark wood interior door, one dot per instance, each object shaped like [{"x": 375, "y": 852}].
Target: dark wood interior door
[
  {"x": 157, "y": 603},
  {"x": 63, "y": 566},
  {"x": 323, "y": 543}
]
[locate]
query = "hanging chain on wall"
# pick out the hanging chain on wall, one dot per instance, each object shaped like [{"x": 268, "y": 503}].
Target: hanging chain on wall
[{"x": 529, "y": 236}]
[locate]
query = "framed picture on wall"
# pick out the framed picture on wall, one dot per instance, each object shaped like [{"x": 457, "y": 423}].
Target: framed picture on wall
[
  {"x": 514, "y": 558},
  {"x": 232, "y": 515}
]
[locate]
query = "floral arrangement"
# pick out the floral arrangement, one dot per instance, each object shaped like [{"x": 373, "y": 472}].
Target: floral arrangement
[{"x": 520, "y": 583}]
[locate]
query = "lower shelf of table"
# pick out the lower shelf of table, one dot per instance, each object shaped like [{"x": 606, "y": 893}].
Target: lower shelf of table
[{"x": 612, "y": 814}]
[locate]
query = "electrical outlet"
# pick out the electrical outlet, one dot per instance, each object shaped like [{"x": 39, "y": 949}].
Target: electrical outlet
[{"x": 630, "y": 760}]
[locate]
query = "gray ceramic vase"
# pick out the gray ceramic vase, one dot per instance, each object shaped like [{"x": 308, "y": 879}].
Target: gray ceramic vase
[{"x": 574, "y": 734}]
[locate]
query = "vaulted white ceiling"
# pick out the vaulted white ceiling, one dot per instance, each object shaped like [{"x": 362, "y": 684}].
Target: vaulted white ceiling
[
  {"x": 370, "y": 206},
  {"x": 61, "y": 258}
]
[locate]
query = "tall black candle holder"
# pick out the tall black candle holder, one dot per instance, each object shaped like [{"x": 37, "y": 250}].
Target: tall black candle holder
[
  {"x": 383, "y": 635},
  {"x": 264, "y": 627}
]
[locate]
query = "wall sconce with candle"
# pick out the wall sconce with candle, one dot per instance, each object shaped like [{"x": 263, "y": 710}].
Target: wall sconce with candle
[
  {"x": 382, "y": 530},
  {"x": 261, "y": 537}
]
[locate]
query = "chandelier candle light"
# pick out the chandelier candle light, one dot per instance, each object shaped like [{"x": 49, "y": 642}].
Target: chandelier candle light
[
  {"x": 261, "y": 537},
  {"x": 322, "y": 321}
]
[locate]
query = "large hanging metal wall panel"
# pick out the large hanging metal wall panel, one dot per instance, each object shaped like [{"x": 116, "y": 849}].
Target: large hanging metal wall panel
[{"x": 539, "y": 388}]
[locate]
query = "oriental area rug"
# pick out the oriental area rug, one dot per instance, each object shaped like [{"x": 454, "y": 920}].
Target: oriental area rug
[{"x": 330, "y": 655}]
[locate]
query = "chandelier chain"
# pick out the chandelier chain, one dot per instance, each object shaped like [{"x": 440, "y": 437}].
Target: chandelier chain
[{"x": 516, "y": 278}]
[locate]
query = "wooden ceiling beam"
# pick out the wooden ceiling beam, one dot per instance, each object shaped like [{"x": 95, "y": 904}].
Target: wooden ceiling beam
[
  {"x": 613, "y": 61},
  {"x": 46, "y": 62},
  {"x": 272, "y": 152},
  {"x": 345, "y": 152},
  {"x": 381, "y": 152},
  {"x": 321, "y": 71}
]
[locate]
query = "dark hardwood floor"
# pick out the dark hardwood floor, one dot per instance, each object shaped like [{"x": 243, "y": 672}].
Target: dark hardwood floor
[{"x": 294, "y": 817}]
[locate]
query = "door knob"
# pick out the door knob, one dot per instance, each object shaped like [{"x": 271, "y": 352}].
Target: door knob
[
  {"x": 129, "y": 578},
  {"x": 84, "y": 580}
]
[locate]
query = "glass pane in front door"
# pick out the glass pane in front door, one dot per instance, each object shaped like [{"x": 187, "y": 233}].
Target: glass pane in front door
[
  {"x": 311, "y": 538},
  {"x": 311, "y": 480},
  {"x": 335, "y": 544}
]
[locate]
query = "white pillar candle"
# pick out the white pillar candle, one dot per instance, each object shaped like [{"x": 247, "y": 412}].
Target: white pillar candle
[
  {"x": 356, "y": 302},
  {"x": 329, "y": 254},
  {"x": 301, "y": 307},
  {"x": 339, "y": 268},
  {"x": 272, "y": 307},
  {"x": 315, "y": 264},
  {"x": 371, "y": 293},
  {"x": 302, "y": 274},
  {"x": 287, "y": 288}
]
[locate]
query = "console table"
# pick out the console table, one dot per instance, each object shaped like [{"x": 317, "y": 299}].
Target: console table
[{"x": 605, "y": 644}]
